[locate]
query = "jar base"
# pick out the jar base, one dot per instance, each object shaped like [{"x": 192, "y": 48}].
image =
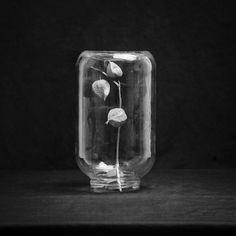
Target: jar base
[{"x": 101, "y": 185}]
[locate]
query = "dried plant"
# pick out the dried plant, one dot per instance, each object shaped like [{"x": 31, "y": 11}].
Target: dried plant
[{"x": 116, "y": 116}]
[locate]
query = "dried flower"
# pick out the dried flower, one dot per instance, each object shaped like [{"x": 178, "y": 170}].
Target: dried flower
[
  {"x": 113, "y": 70},
  {"x": 101, "y": 88},
  {"x": 116, "y": 117}
]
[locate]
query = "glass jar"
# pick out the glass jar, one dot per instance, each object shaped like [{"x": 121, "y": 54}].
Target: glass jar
[{"x": 116, "y": 118}]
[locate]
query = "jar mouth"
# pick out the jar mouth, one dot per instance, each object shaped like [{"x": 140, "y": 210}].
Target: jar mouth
[{"x": 103, "y": 185}]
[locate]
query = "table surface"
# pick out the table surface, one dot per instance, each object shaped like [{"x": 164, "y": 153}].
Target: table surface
[{"x": 167, "y": 198}]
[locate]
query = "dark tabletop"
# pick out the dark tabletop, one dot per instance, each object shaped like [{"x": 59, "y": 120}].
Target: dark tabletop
[{"x": 168, "y": 198}]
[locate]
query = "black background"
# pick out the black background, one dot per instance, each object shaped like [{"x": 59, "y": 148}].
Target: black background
[{"x": 192, "y": 42}]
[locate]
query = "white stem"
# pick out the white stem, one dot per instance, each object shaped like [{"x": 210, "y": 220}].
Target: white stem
[
  {"x": 98, "y": 70},
  {"x": 118, "y": 144},
  {"x": 117, "y": 159},
  {"x": 120, "y": 98}
]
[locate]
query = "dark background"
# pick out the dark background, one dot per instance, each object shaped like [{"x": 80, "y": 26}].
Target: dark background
[{"x": 192, "y": 42}]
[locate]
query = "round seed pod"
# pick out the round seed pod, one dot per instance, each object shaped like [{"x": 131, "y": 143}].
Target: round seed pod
[
  {"x": 116, "y": 117},
  {"x": 113, "y": 70},
  {"x": 101, "y": 88}
]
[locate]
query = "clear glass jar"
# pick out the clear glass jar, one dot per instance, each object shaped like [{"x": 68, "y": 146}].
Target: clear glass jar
[{"x": 116, "y": 118}]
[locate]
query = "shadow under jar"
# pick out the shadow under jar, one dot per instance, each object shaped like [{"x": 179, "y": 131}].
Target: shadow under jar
[{"x": 115, "y": 144}]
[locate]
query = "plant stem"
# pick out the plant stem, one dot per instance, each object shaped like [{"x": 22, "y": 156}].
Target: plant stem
[
  {"x": 118, "y": 144},
  {"x": 98, "y": 70},
  {"x": 117, "y": 159},
  {"x": 120, "y": 98}
]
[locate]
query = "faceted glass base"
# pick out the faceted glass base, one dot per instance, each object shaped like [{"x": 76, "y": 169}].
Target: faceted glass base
[{"x": 102, "y": 185}]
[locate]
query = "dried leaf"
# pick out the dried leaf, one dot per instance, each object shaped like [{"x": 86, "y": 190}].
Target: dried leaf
[
  {"x": 101, "y": 88},
  {"x": 104, "y": 167},
  {"x": 116, "y": 117},
  {"x": 113, "y": 70}
]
